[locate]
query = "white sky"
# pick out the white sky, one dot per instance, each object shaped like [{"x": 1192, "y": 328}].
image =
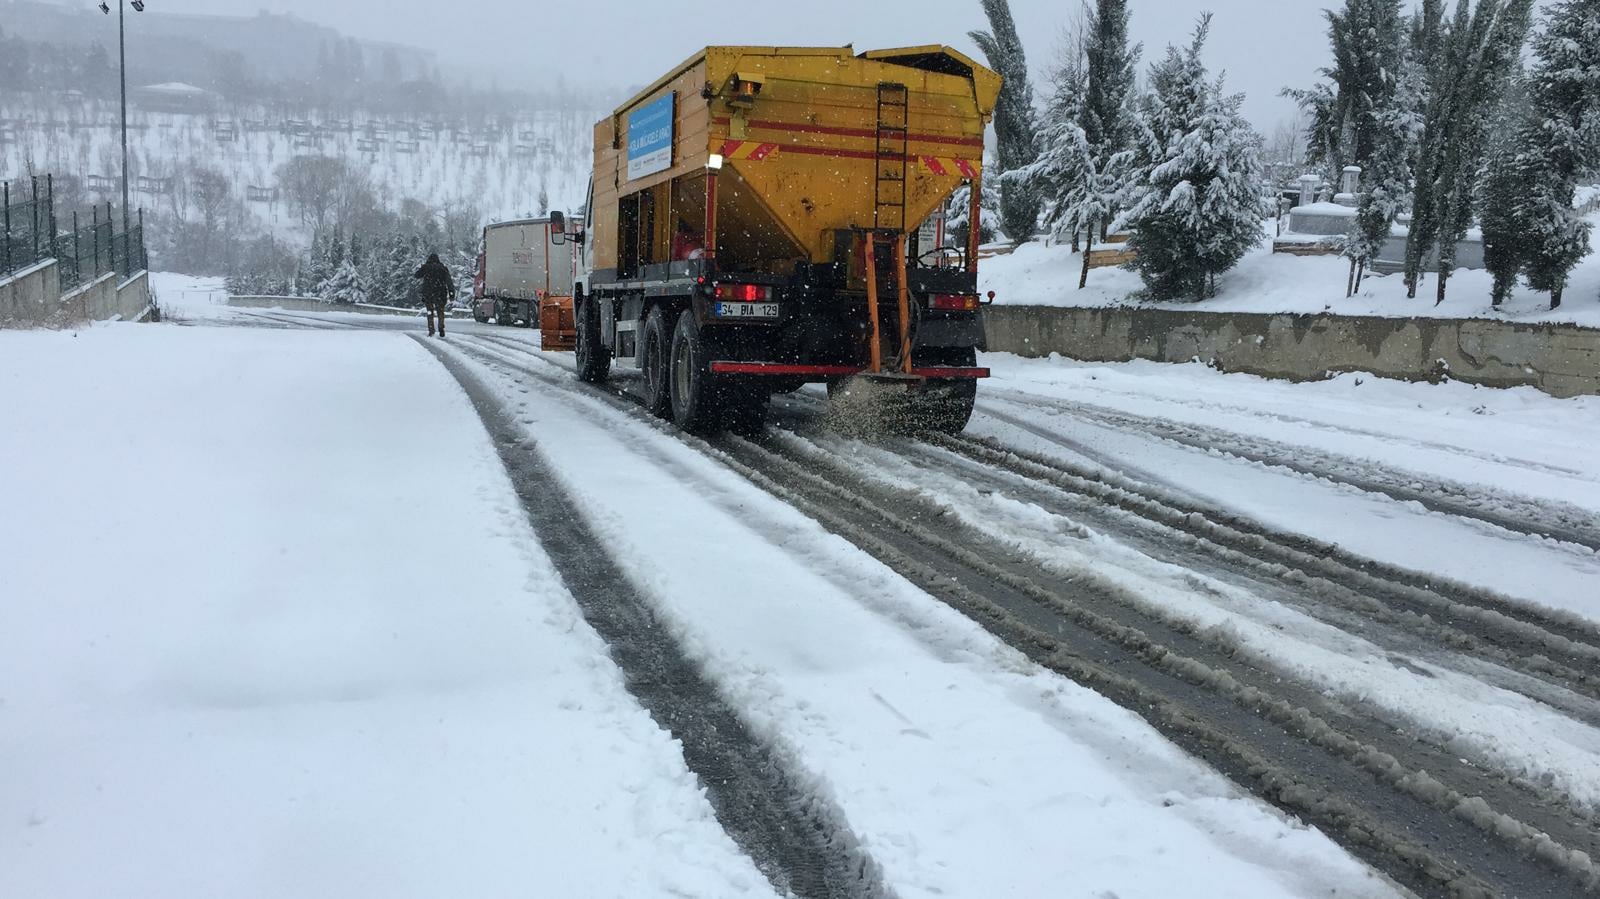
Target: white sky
[{"x": 1264, "y": 45}]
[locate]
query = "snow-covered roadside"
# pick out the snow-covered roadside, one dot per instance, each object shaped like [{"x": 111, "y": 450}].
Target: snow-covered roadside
[
  {"x": 1489, "y": 724},
  {"x": 1537, "y": 571},
  {"x": 1517, "y": 439},
  {"x": 273, "y": 624},
  {"x": 1263, "y": 281},
  {"x": 964, "y": 769},
  {"x": 191, "y": 297}
]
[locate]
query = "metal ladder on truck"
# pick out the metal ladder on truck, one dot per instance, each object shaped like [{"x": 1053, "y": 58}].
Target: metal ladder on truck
[{"x": 889, "y": 218}]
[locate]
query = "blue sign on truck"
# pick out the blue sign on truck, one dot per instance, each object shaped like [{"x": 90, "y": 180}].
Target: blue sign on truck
[{"x": 650, "y": 137}]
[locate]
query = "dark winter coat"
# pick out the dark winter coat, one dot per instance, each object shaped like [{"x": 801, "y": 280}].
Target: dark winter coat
[{"x": 437, "y": 285}]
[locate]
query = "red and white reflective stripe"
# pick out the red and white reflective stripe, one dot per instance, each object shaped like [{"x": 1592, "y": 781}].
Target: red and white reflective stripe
[
  {"x": 747, "y": 149},
  {"x": 945, "y": 165}
]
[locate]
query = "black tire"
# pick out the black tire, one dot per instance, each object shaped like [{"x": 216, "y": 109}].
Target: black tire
[
  {"x": 655, "y": 350},
  {"x": 696, "y": 404},
  {"x": 594, "y": 360},
  {"x": 945, "y": 405}
]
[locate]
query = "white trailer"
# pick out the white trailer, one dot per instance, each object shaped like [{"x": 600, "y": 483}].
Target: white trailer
[{"x": 520, "y": 265}]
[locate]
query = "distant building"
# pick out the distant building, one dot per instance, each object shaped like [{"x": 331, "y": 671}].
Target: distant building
[{"x": 174, "y": 96}]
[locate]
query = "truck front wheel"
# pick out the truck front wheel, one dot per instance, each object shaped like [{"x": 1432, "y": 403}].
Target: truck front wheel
[
  {"x": 594, "y": 360},
  {"x": 696, "y": 404},
  {"x": 654, "y": 347}
]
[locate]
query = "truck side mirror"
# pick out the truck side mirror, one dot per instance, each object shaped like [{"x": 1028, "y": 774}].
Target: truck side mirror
[{"x": 558, "y": 222}]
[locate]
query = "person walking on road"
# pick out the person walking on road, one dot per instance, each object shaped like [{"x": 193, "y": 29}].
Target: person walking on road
[{"x": 438, "y": 288}]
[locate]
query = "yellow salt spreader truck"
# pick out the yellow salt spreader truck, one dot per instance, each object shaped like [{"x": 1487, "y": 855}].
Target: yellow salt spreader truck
[{"x": 754, "y": 224}]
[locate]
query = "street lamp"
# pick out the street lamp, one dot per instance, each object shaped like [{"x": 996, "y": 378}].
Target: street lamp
[{"x": 122, "y": 70}]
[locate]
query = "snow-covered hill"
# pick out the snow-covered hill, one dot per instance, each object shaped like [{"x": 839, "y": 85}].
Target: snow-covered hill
[{"x": 499, "y": 167}]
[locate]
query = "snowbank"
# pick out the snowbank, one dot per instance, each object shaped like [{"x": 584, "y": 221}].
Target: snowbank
[
  {"x": 1040, "y": 275},
  {"x": 273, "y": 624}
]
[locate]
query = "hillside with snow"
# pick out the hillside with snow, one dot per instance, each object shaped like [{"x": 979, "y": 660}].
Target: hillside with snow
[{"x": 501, "y": 167}]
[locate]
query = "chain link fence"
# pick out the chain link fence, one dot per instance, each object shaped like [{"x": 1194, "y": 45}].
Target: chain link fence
[{"x": 86, "y": 245}]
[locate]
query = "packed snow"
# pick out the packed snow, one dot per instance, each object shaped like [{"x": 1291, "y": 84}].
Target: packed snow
[
  {"x": 1519, "y": 441},
  {"x": 964, "y": 769},
  {"x": 319, "y": 646},
  {"x": 274, "y": 624}
]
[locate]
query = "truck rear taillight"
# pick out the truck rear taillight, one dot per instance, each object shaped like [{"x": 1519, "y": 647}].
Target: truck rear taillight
[
  {"x": 744, "y": 293},
  {"x": 953, "y": 302}
]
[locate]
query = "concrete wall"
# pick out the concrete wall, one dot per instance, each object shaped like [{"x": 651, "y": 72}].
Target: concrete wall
[
  {"x": 133, "y": 297},
  {"x": 95, "y": 301},
  {"x": 1562, "y": 360},
  {"x": 30, "y": 297}
]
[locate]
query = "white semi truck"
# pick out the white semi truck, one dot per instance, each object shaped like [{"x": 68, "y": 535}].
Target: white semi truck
[{"x": 526, "y": 271}]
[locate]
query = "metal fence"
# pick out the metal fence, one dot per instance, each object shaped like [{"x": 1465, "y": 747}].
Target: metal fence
[{"x": 86, "y": 245}]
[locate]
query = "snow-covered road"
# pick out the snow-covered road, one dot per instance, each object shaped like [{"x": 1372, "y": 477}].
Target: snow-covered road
[
  {"x": 1235, "y": 566},
  {"x": 273, "y": 623}
]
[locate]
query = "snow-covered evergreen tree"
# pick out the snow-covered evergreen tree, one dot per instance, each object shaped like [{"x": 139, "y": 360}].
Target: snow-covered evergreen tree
[
  {"x": 1081, "y": 195},
  {"x": 1472, "y": 62},
  {"x": 1562, "y": 141},
  {"x": 1344, "y": 114},
  {"x": 1108, "y": 102},
  {"x": 348, "y": 285},
  {"x": 1197, "y": 211},
  {"x": 1014, "y": 121},
  {"x": 1504, "y": 192}
]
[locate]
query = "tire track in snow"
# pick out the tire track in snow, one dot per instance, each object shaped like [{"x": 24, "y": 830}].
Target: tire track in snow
[
  {"x": 1322, "y": 425},
  {"x": 1453, "y": 616},
  {"x": 1518, "y": 514},
  {"x": 798, "y": 839},
  {"x": 1515, "y": 625},
  {"x": 1419, "y": 830}
]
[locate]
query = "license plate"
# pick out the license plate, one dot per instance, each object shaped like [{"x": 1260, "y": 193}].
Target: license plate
[{"x": 745, "y": 310}]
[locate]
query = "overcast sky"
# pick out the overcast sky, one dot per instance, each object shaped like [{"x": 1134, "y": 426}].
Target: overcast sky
[{"x": 1263, "y": 45}]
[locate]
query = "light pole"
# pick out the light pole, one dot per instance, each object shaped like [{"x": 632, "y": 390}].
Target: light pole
[{"x": 122, "y": 74}]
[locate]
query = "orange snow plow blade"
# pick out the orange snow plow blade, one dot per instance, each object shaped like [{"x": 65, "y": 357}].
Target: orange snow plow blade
[{"x": 558, "y": 329}]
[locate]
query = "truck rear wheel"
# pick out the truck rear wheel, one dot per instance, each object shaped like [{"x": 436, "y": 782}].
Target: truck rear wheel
[
  {"x": 696, "y": 402},
  {"x": 945, "y": 404},
  {"x": 655, "y": 348},
  {"x": 594, "y": 360}
]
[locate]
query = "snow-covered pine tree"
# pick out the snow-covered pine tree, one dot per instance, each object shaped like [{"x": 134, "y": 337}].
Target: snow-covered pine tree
[
  {"x": 1081, "y": 195},
  {"x": 1198, "y": 210},
  {"x": 1503, "y": 194},
  {"x": 1562, "y": 141},
  {"x": 1014, "y": 121},
  {"x": 348, "y": 285},
  {"x": 1108, "y": 103},
  {"x": 398, "y": 268},
  {"x": 1380, "y": 124},
  {"x": 1361, "y": 117},
  {"x": 1050, "y": 174},
  {"x": 1426, "y": 30},
  {"x": 1473, "y": 61}
]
